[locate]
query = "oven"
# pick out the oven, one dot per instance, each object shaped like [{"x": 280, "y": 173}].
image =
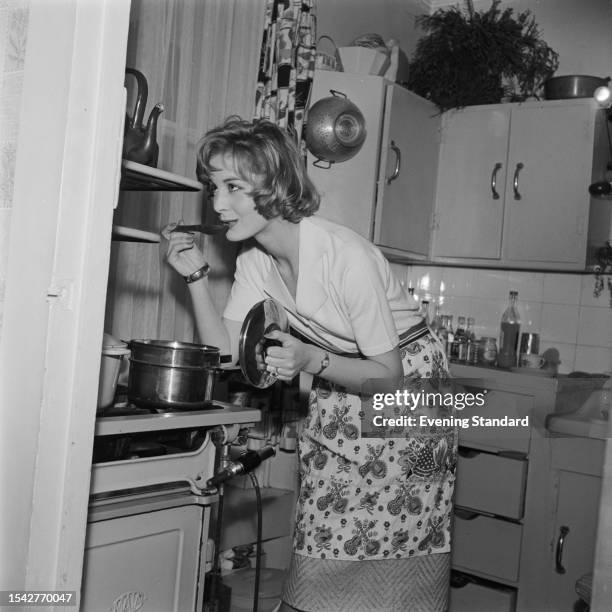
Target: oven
[{"x": 149, "y": 512}]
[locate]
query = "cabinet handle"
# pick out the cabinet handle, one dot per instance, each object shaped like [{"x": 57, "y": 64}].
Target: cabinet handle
[
  {"x": 467, "y": 453},
  {"x": 496, "y": 169},
  {"x": 559, "y": 556},
  {"x": 398, "y": 161},
  {"x": 515, "y": 182}
]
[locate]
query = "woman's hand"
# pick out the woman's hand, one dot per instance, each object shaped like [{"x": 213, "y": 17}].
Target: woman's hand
[
  {"x": 288, "y": 360},
  {"x": 182, "y": 254}
]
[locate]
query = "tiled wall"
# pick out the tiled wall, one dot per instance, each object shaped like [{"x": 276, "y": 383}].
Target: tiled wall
[
  {"x": 13, "y": 34},
  {"x": 560, "y": 307}
]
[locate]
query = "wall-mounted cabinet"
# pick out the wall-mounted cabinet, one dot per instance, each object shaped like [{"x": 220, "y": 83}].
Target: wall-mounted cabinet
[
  {"x": 502, "y": 185},
  {"x": 386, "y": 191},
  {"x": 512, "y": 185}
]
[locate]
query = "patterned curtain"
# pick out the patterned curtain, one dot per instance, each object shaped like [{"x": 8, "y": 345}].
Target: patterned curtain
[{"x": 287, "y": 63}]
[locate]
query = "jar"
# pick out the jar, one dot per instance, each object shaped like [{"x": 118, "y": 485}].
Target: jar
[{"x": 488, "y": 351}]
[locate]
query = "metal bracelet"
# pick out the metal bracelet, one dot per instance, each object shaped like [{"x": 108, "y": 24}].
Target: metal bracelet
[{"x": 198, "y": 274}]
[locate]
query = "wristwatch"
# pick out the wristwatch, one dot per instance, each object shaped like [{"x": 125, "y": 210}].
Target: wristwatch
[
  {"x": 198, "y": 274},
  {"x": 324, "y": 364}
]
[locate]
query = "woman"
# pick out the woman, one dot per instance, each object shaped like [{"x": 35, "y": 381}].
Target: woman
[{"x": 372, "y": 519}]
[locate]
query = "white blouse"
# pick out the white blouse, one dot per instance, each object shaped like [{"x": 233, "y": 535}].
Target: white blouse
[{"x": 347, "y": 300}]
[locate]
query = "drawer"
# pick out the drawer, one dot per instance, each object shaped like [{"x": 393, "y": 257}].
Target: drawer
[
  {"x": 473, "y": 595},
  {"x": 497, "y": 405},
  {"x": 486, "y": 545},
  {"x": 490, "y": 483}
]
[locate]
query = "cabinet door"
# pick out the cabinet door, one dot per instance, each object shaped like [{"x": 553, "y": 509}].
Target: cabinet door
[
  {"x": 577, "y": 505},
  {"x": 348, "y": 188},
  {"x": 547, "y": 197},
  {"x": 471, "y": 182},
  {"x": 409, "y": 161}
]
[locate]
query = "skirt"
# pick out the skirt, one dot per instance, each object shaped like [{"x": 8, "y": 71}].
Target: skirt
[{"x": 418, "y": 584}]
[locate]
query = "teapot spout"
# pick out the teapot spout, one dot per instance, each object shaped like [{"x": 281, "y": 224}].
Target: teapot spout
[
  {"x": 157, "y": 110},
  {"x": 150, "y": 146}
]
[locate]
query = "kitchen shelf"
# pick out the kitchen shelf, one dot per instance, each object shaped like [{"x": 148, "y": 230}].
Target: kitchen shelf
[{"x": 138, "y": 177}]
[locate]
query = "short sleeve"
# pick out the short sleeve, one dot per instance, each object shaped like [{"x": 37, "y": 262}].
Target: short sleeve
[
  {"x": 247, "y": 288},
  {"x": 364, "y": 289}
]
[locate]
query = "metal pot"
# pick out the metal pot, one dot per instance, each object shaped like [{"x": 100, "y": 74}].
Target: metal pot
[
  {"x": 335, "y": 130},
  {"x": 573, "y": 86},
  {"x": 171, "y": 374}
]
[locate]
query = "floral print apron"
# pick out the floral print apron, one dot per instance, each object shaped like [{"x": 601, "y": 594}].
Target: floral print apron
[{"x": 382, "y": 497}]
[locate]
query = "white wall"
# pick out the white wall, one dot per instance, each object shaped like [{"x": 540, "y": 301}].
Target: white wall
[{"x": 579, "y": 30}]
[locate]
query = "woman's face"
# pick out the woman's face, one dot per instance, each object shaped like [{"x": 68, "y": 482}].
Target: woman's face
[{"x": 232, "y": 201}]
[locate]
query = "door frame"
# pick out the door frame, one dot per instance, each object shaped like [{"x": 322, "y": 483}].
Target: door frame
[{"x": 66, "y": 183}]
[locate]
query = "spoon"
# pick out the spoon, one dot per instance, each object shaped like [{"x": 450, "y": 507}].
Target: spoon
[{"x": 203, "y": 229}]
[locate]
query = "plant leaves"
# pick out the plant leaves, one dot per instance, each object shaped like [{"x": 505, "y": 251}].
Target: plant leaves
[{"x": 469, "y": 57}]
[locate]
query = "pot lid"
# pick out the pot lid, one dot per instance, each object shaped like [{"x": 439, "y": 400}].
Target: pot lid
[{"x": 266, "y": 316}]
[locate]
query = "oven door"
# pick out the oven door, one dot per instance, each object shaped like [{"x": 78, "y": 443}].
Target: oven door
[{"x": 144, "y": 552}]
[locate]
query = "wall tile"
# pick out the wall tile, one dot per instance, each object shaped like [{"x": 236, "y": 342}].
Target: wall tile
[
  {"x": 528, "y": 284},
  {"x": 559, "y": 323},
  {"x": 487, "y": 315},
  {"x": 459, "y": 281},
  {"x": 562, "y": 288},
  {"x": 399, "y": 272},
  {"x": 595, "y": 328},
  {"x": 593, "y": 359},
  {"x": 586, "y": 295},
  {"x": 457, "y": 306},
  {"x": 491, "y": 284},
  {"x": 531, "y": 316},
  {"x": 425, "y": 280}
]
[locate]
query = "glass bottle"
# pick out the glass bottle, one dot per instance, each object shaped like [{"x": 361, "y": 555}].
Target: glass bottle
[
  {"x": 458, "y": 347},
  {"x": 450, "y": 336},
  {"x": 425, "y": 310},
  {"x": 509, "y": 334},
  {"x": 436, "y": 322},
  {"x": 471, "y": 346},
  {"x": 442, "y": 330},
  {"x": 487, "y": 352}
]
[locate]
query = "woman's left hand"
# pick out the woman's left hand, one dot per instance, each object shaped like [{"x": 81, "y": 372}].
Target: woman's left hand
[{"x": 288, "y": 360}]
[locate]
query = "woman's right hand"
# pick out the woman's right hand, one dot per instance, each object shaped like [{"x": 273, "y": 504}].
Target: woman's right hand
[{"x": 182, "y": 253}]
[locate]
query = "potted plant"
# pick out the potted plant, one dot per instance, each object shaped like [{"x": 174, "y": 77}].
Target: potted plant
[{"x": 469, "y": 57}]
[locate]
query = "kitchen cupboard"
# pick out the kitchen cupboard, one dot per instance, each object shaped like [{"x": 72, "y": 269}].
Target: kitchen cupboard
[
  {"x": 386, "y": 191},
  {"x": 502, "y": 185},
  {"x": 516, "y": 487},
  {"x": 577, "y": 476},
  {"x": 512, "y": 185}
]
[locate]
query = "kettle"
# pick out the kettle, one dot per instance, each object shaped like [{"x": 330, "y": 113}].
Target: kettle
[{"x": 140, "y": 141}]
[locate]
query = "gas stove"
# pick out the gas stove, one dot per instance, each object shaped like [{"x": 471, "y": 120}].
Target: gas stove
[{"x": 139, "y": 447}]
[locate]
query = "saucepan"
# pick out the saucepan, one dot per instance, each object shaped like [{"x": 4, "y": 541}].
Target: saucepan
[
  {"x": 173, "y": 375},
  {"x": 573, "y": 86}
]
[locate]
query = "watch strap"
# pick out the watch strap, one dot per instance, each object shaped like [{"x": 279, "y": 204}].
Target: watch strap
[{"x": 324, "y": 364}]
